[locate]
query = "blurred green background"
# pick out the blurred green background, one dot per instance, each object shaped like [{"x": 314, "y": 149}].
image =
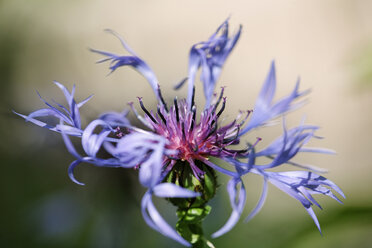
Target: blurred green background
[{"x": 327, "y": 43}]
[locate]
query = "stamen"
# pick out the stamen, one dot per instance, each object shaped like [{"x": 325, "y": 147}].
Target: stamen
[
  {"x": 176, "y": 108},
  {"x": 237, "y": 151},
  {"x": 222, "y": 108},
  {"x": 161, "y": 116},
  {"x": 139, "y": 117},
  {"x": 193, "y": 96},
  {"x": 162, "y": 99},
  {"x": 219, "y": 112},
  {"x": 233, "y": 138},
  {"x": 183, "y": 131},
  {"x": 214, "y": 128},
  {"x": 258, "y": 139},
  {"x": 246, "y": 117},
  {"x": 219, "y": 99},
  {"x": 193, "y": 117},
  {"x": 146, "y": 111}
]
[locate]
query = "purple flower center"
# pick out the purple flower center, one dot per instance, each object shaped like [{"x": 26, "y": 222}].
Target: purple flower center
[{"x": 195, "y": 140}]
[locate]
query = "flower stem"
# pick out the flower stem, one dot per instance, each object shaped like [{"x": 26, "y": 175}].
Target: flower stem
[{"x": 189, "y": 225}]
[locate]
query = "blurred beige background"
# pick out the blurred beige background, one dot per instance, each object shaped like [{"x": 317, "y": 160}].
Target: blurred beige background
[{"x": 326, "y": 43}]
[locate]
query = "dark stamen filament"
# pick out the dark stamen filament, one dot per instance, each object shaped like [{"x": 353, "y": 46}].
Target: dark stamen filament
[
  {"x": 237, "y": 151},
  {"x": 219, "y": 112},
  {"x": 219, "y": 99},
  {"x": 162, "y": 99},
  {"x": 233, "y": 138},
  {"x": 214, "y": 128},
  {"x": 146, "y": 111},
  {"x": 246, "y": 117},
  {"x": 193, "y": 97},
  {"x": 183, "y": 131},
  {"x": 222, "y": 108},
  {"x": 161, "y": 116},
  {"x": 193, "y": 118},
  {"x": 176, "y": 108},
  {"x": 255, "y": 143}
]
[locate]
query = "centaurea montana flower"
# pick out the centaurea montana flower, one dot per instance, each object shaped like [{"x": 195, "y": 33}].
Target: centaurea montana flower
[{"x": 172, "y": 153}]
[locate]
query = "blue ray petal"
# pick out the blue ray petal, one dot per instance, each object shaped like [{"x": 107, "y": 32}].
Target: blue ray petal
[
  {"x": 237, "y": 203},
  {"x": 156, "y": 221}
]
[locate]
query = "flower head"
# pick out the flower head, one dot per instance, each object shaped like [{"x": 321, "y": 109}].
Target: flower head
[{"x": 172, "y": 152}]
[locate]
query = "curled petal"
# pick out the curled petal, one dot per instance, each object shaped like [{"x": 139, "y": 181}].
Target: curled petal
[
  {"x": 69, "y": 130},
  {"x": 150, "y": 170},
  {"x": 144, "y": 149},
  {"x": 92, "y": 142},
  {"x": 144, "y": 203},
  {"x": 115, "y": 119},
  {"x": 156, "y": 221},
  {"x": 70, "y": 147},
  {"x": 237, "y": 204},
  {"x": 260, "y": 202},
  {"x": 71, "y": 172},
  {"x": 111, "y": 162},
  {"x": 171, "y": 190}
]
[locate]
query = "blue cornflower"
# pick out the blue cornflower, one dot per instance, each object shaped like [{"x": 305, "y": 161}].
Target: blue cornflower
[{"x": 172, "y": 153}]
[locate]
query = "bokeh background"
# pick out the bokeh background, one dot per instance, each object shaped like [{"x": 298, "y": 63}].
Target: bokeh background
[{"x": 327, "y": 43}]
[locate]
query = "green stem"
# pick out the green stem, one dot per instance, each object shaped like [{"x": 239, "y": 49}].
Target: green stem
[{"x": 189, "y": 225}]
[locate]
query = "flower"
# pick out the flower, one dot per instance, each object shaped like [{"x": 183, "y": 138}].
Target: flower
[{"x": 172, "y": 152}]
